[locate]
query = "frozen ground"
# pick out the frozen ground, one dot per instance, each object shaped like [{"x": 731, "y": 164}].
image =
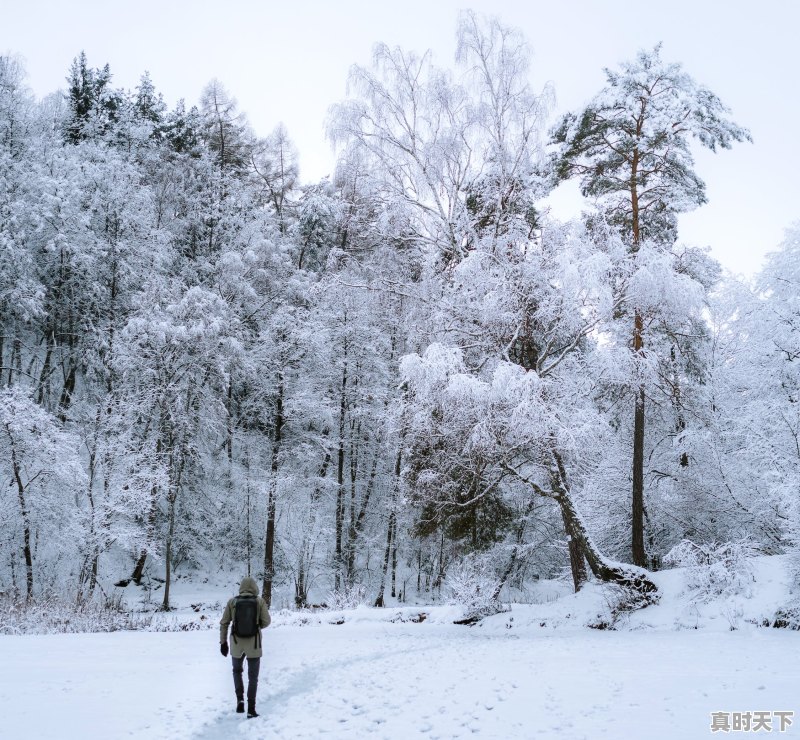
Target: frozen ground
[
  {"x": 384, "y": 680},
  {"x": 370, "y": 677}
]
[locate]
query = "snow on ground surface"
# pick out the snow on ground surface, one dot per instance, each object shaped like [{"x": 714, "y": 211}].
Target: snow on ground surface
[
  {"x": 380, "y": 675},
  {"x": 403, "y": 680}
]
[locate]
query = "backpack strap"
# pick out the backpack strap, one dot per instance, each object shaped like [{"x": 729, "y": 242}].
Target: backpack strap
[{"x": 233, "y": 631}]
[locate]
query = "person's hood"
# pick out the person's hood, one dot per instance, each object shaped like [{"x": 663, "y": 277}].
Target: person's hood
[{"x": 248, "y": 587}]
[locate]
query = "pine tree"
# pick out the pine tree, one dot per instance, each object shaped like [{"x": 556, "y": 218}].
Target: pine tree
[
  {"x": 630, "y": 149},
  {"x": 93, "y": 106}
]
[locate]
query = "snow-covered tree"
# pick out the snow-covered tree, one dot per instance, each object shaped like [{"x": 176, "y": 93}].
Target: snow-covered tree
[
  {"x": 41, "y": 462},
  {"x": 630, "y": 149}
]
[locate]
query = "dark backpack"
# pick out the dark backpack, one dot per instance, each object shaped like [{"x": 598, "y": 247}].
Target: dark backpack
[{"x": 245, "y": 616}]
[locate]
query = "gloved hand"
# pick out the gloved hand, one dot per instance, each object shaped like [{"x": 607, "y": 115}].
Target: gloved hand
[{"x": 223, "y": 648}]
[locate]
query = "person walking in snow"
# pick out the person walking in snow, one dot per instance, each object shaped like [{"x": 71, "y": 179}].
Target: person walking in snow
[{"x": 249, "y": 615}]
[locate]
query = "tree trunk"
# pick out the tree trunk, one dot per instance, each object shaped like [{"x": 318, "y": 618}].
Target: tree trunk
[
  {"x": 26, "y": 524},
  {"x": 601, "y": 568},
  {"x": 386, "y": 555},
  {"x": 338, "y": 555},
  {"x": 357, "y": 521},
  {"x": 439, "y": 579},
  {"x": 577, "y": 563},
  {"x": 304, "y": 556},
  {"x": 93, "y": 577},
  {"x": 391, "y": 528},
  {"x": 138, "y": 569},
  {"x": 66, "y": 393},
  {"x": 300, "y": 585},
  {"x": 269, "y": 542},
  {"x": 229, "y": 423},
  {"x": 633, "y": 578},
  {"x": 680, "y": 422},
  {"x": 637, "y": 498},
  {"x": 15, "y": 362},
  {"x": 93, "y": 534},
  {"x": 519, "y": 534},
  {"x": 173, "y": 497},
  {"x": 248, "y": 504},
  {"x": 176, "y": 475},
  {"x": 43, "y": 394},
  {"x": 394, "y": 554},
  {"x": 168, "y": 562},
  {"x": 350, "y": 551}
]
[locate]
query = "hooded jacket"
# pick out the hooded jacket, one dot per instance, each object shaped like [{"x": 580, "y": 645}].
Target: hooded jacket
[{"x": 249, "y": 646}]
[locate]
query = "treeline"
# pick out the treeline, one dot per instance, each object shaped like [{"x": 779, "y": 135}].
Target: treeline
[{"x": 404, "y": 373}]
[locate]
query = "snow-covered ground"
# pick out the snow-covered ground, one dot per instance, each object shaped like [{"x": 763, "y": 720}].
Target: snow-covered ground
[
  {"x": 380, "y": 675},
  {"x": 384, "y": 680}
]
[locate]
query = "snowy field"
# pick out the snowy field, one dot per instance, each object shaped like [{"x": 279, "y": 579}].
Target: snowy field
[
  {"x": 534, "y": 672},
  {"x": 383, "y": 680}
]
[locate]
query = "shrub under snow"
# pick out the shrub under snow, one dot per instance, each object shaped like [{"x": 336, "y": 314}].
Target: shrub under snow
[
  {"x": 473, "y": 585},
  {"x": 348, "y": 597},
  {"x": 56, "y": 616},
  {"x": 715, "y": 570}
]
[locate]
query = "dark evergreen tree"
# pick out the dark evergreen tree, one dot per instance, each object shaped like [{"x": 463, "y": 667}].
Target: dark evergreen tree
[
  {"x": 148, "y": 105},
  {"x": 182, "y": 129},
  {"x": 94, "y": 107}
]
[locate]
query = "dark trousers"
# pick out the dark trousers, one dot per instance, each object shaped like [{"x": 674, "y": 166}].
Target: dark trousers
[{"x": 253, "y": 664}]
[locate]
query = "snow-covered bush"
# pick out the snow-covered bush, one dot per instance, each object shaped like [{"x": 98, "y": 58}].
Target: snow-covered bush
[
  {"x": 715, "y": 569},
  {"x": 787, "y": 617},
  {"x": 54, "y": 616},
  {"x": 348, "y": 597},
  {"x": 474, "y": 586}
]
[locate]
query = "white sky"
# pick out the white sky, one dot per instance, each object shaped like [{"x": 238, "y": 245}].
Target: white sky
[{"x": 288, "y": 61}]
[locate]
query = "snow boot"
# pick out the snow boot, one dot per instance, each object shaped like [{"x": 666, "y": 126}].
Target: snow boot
[
  {"x": 251, "y": 711},
  {"x": 240, "y": 706}
]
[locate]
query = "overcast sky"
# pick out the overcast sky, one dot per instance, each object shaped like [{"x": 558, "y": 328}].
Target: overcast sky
[{"x": 288, "y": 61}]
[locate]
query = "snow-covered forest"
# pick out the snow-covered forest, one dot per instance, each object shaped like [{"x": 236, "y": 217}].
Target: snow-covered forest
[{"x": 407, "y": 381}]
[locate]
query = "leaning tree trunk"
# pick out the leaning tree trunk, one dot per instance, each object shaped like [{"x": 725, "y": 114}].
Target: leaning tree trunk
[
  {"x": 631, "y": 577},
  {"x": 577, "y": 563},
  {"x": 138, "y": 568}
]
